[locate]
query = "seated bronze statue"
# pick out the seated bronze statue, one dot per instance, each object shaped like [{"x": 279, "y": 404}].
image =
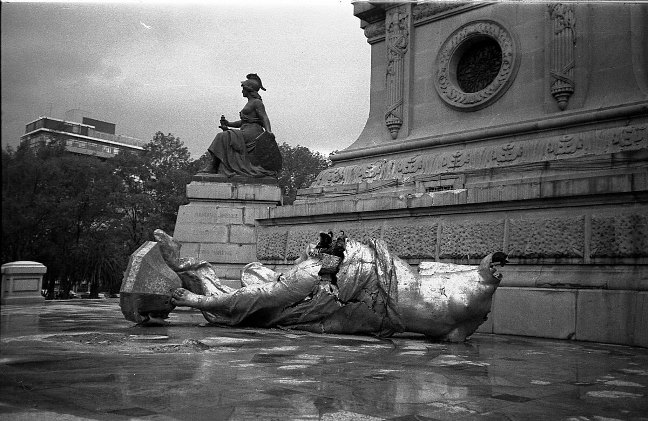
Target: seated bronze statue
[
  {"x": 247, "y": 146},
  {"x": 375, "y": 293}
]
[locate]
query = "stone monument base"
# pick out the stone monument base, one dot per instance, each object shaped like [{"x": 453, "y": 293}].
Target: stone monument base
[
  {"x": 218, "y": 224},
  {"x": 576, "y": 241},
  {"x": 22, "y": 282}
]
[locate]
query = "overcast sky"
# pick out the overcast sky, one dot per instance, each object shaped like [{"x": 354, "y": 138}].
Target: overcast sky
[{"x": 176, "y": 68}]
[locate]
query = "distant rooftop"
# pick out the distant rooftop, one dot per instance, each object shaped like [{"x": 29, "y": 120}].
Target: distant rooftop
[{"x": 89, "y": 137}]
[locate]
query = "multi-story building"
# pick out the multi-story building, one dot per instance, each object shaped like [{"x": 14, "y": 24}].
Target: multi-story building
[{"x": 90, "y": 137}]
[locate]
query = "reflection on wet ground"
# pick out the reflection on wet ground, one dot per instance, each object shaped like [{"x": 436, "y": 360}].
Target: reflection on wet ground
[{"x": 82, "y": 360}]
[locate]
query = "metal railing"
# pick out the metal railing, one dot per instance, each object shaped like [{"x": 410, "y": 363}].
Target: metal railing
[{"x": 127, "y": 140}]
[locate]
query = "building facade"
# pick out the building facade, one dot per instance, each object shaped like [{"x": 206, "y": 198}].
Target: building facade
[{"x": 89, "y": 137}]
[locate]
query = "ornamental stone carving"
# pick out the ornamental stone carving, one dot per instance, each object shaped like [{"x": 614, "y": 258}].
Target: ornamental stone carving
[
  {"x": 619, "y": 236},
  {"x": 563, "y": 41},
  {"x": 408, "y": 166},
  {"x": 412, "y": 241},
  {"x": 456, "y": 160},
  {"x": 297, "y": 242},
  {"x": 271, "y": 244},
  {"x": 361, "y": 233},
  {"x": 468, "y": 240},
  {"x": 476, "y": 65},
  {"x": 375, "y": 30},
  {"x": 566, "y": 145},
  {"x": 550, "y": 148},
  {"x": 626, "y": 137},
  {"x": 397, "y": 37},
  {"x": 507, "y": 153},
  {"x": 546, "y": 237}
]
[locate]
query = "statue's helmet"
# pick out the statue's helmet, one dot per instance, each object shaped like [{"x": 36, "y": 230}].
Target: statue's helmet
[{"x": 253, "y": 83}]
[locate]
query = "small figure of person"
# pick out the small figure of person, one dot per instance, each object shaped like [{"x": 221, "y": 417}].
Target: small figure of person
[{"x": 232, "y": 151}]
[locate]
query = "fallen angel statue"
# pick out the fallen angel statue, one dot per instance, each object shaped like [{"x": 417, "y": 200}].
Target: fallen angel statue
[{"x": 375, "y": 292}]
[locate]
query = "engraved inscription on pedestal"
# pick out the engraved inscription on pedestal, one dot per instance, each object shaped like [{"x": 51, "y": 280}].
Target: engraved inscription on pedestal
[
  {"x": 201, "y": 233},
  {"x": 26, "y": 284},
  {"x": 228, "y": 253},
  {"x": 210, "y": 214}
]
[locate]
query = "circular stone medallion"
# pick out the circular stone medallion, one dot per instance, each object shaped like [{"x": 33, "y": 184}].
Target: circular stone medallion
[{"x": 476, "y": 65}]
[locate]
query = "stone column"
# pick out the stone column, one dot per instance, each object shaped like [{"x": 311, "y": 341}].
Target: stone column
[
  {"x": 22, "y": 282},
  {"x": 218, "y": 224}
]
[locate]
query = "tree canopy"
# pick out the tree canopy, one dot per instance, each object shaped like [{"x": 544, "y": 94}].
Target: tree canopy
[
  {"x": 82, "y": 217},
  {"x": 300, "y": 168}
]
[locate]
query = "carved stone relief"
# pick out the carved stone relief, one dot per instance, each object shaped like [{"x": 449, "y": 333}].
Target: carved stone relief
[
  {"x": 455, "y": 160},
  {"x": 563, "y": 21},
  {"x": 507, "y": 153},
  {"x": 612, "y": 236},
  {"x": 412, "y": 241},
  {"x": 566, "y": 145},
  {"x": 375, "y": 30},
  {"x": 467, "y": 240},
  {"x": 298, "y": 240},
  {"x": 271, "y": 244},
  {"x": 624, "y": 138},
  {"x": 546, "y": 237},
  {"x": 474, "y": 42},
  {"x": 592, "y": 142},
  {"x": 361, "y": 233},
  {"x": 619, "y": 236},
  {"x": 397, "y": 37}
]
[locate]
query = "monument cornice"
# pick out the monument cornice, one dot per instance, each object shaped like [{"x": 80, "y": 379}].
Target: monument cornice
[
  {"x": 559, "y": 121},
  {"x": 426, "y": 12},
  {"x": 372, "y": 15}
]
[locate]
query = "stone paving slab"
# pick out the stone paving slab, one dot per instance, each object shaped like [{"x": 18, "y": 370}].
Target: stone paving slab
[{"x": 80, "y": 359}]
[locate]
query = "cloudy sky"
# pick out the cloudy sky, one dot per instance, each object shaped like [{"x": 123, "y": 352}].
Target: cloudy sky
[{"x": 177, "y": 67}]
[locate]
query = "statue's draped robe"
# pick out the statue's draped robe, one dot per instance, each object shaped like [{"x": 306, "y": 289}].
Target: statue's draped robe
[
  {"x": 233, "y": 148},
  {"x": 364, "y": 303}
]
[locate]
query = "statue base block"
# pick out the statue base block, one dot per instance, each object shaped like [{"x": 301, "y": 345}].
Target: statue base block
[
  {"x": 238, "y": 179},
  {"x": 218, "y": 224}
]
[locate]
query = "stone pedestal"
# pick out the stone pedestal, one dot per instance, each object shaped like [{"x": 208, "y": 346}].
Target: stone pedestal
[
  {"x": 22, "y": 282},
  {"x": 218, "y": 225},
  {"x": 542, "y": 153}
]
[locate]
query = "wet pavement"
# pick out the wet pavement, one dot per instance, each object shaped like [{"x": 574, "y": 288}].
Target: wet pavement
[{"x": 81, "y": 359}]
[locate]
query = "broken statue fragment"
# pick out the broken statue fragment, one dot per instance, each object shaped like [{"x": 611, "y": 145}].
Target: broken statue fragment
[
  {"x": 145, "y": 294},
  {"x": 376, "y": 293}
]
